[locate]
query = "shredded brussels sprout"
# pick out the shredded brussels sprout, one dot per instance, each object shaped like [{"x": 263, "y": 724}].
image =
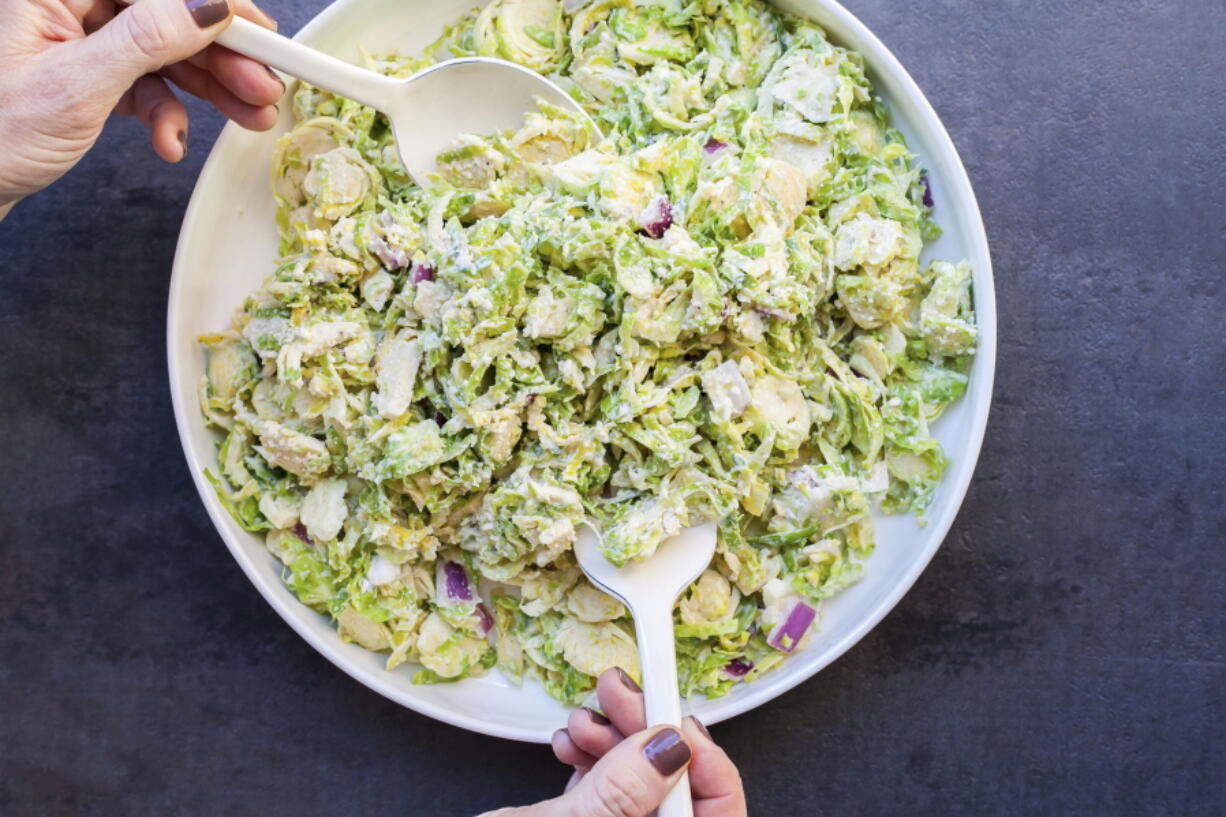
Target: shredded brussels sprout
[{"x": 716, "y": 311}]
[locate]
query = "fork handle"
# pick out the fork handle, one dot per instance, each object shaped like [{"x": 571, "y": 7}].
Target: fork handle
[{"x": 658, "y": 659}]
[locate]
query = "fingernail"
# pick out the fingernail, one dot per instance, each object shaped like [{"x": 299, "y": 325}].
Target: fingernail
[
  {"x": 208, "y": 13},
  {"x": 597, "y": 718},
  {"x": 275, "y": 76},
  {"x": 628, "y": 681},
  {"x": 701, "y": 727},
  {"x": 667, "y": 751}
]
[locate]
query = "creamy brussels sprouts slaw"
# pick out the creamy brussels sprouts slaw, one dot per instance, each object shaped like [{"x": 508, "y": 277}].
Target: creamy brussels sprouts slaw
[{"x": 716, "y": 311}]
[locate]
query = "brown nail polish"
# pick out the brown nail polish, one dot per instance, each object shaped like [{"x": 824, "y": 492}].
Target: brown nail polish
[
  {"x": 628, "y": 681},
  {"x": 597, "y": 718},
  {"x": 701, "y": 727},
  {"x": 208, "y": 13},
  {"x": 667, "y": 751}
]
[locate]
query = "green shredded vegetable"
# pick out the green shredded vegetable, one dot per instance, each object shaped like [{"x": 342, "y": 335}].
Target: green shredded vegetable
[{"x": 716, "y": 311}]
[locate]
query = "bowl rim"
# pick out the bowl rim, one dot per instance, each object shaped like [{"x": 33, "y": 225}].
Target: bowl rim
[{"x": 923, "y": 118}]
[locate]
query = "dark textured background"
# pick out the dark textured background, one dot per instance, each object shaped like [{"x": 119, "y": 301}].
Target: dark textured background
[{"x": 1064, "y": 654}]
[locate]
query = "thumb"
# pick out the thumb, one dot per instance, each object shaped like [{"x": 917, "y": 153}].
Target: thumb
[
  {"x": 151, "y": 34},
  {"x": 632, "y": 779}
]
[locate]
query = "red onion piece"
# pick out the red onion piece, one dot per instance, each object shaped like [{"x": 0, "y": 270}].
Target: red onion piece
[
  {"x": 301, "y": 532},
  {"x": 713, "y": 145},
  {"x": 657, "y": 218},
  {"x": 421, "y": 272},
  {"x": 737, "y": 668},
  {"x": 787, "y": 635},
  {"x": 485, "y": 622},
  {"x": 392, "y": 257},
  {"x": 451, "y": 584}
]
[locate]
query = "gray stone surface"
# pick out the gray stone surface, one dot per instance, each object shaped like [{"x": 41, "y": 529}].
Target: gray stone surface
[{"x": 1064, "y": 654}]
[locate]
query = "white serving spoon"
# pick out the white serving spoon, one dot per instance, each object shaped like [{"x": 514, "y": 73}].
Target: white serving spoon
[
  {"x": 649, "y": 589},
  {"x": 429, "y": 109}
]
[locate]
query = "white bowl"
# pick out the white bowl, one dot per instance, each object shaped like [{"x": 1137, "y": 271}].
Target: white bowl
[{"x": 227, "y": 247}]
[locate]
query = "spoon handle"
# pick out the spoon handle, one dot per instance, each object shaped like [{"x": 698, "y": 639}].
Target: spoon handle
[
  {"x": 658, "y": 657},
  {"x": 319, "y": 69}
]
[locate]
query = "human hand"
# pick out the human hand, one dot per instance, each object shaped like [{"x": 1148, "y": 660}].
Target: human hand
[
  {"x": 66, "y": 65},
  {"x": 614, "y": 775}
]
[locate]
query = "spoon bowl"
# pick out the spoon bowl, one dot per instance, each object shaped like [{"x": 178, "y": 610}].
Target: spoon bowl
[
  {"x": 649, "y": 588},
  {"x": 655, "y": 580},
  {"x": 428, "y": 110}
]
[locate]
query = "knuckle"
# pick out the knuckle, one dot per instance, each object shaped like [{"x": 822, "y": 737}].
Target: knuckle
[
  {"x": 618, "y": 796},
  {"x": 150, "y": 33}
]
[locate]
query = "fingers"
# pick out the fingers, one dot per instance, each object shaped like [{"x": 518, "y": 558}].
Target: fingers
[
  {"x": 244, "y": 78},
  {"x": 621, "y": 700},
  {"x": 157, "y": 36},
  {"x": 247, "y": 79},
  {"x": 92, "y": 14},
  {"x": 592, "y": 732},
  {"x": 566, "y": 750},
  {"x": 148, "y": 35},
  {"x": 629, "y": 777},
  {"x": 714, "y": 781},
  {"x": 201, "y": 83},
  {"x": 155, "y": 105},
  {"x": 632, "y": 779}
]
